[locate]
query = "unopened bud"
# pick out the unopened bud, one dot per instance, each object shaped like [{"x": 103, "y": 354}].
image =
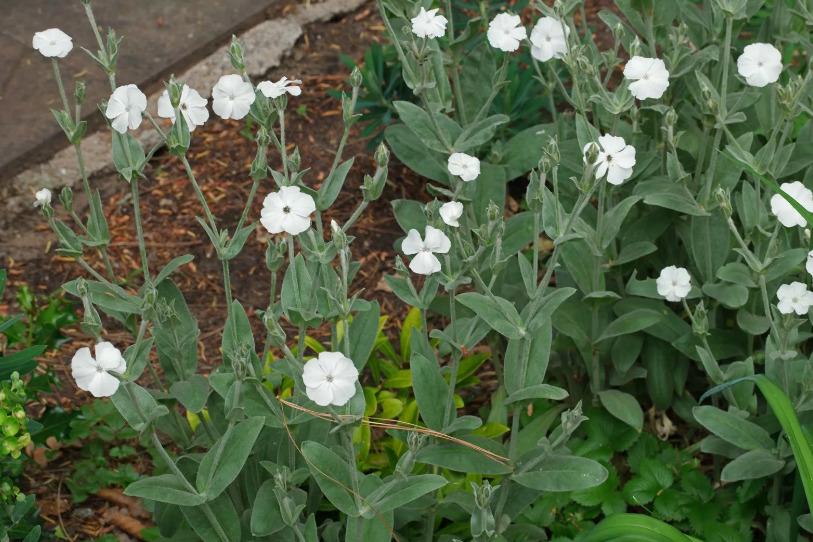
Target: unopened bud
[
  {"x": 724, "y": 201},
  {"x": 493, "y": 212},
  {"x": 66, "y": 197},
  {"x": 347, "y": 109},
  {"x": 237, "y": 55},
  {"x": 274, "y": 255},
  {"x": 356, "y": 78},
  {"x": 295, "y": 160},
  {"x": 591, "y": 154},
  {"x": 79, "y": 92},
  {"x": 275, "y": 331},
  {"x": 635, "y": 47},
  {"x": 400, "y": 267},
  {"x": 382, "y": 156},
  {"x": 700, "y": 320},
  {"x": 175, "y": 91},
  {"x": 572, "y": 419},
  {"x": 339, "y": 237},
  {"x": 670, "y": 118}
]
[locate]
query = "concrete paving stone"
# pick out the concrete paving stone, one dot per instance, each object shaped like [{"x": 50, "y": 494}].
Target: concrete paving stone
[{"x": 160, "y": 36}]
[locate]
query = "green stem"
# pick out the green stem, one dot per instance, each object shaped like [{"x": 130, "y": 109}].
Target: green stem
[{"x": 142, "y": 247}]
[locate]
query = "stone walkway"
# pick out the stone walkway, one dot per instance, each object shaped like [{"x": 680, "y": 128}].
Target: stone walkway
[{"x": 161, "y": 37}]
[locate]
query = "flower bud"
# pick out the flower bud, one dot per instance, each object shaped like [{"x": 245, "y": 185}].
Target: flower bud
[
  {"x": 295, "y": 160},
  {"x": 724, "y": 201},
  {"x": 356, "y": 78},
  {"x": 670, "y": 118},
  {"x": 347, "y": 109},
  {"x": 572, "y": 419},
  {"x": 274, "y": 255},
  {"x": 66, "y": 197},
  {"x": 635, "y": 47},
  {"x": 339, "y": 237},
  {"x": 551, "y": 151},
  {"x": 591, "y": 154},
  {"x": 534, "y": 192},
  {"x": 79, "y": 92},
  {"x": 237, "y": 55},
  {"x": 275, "y": 331},
  {"x": 700, "y": 320},
  {"x": 483, "y": 523},
  {"x": 400, "y": 267},
  {"x": 493, "y": 212},
  {"x": 382, "y": 156},
  {"x": 174, "y": 89}
]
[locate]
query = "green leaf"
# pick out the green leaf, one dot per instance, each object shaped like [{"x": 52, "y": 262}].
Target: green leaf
[
  {"x": 499, "y": 313},
  {"x": 752, "y": 465},
  {"x": 22, "y": 361},
  {"x": 137, "y": 406},
  {"x": 222, "y": 509},
  {"x": 166, "y": 488},
  {"x": 363, "y": 334},
  {"x": 176, "y": 333},
  {"x": 630, "y": 322},
  {"x": 331, "y": 186},
  {"x": 782, "y": 408},
  {"x": 635, "y": 528},
  {"x": 420, "y": 124},
  {"x": 430, "y": 390},
  {"x": 549, "y": 304},
  {"x": 463, "y": 459},
  {"x": 623, "y": 406},
  {"x": 266, "y": 518},
  {"x": 539, "y": 391},
  {"x": 192, "y": 393},
  {"x": 332, "y": 475},
  {"x": 173, "y": 266},
  {"x": 224, "y": 461},
  {"x": 732, "y": 428},
  {"x": 479, "y": 132},
  {"x": 563, "y": 473},
  {"x": 400, "y": 491}
]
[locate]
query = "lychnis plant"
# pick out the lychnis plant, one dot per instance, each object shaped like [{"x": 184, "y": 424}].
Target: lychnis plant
[
  {"x": 673, "y": 189},
  {"x": 265, "y": 445}
]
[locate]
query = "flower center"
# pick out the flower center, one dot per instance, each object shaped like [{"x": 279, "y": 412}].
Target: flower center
[
  {"x": 548, "y": 39},
  {"x": 674, "y": 283},
  {"x": 329, "y": 379},
  {"x": 794, "y": 300},
  {"x": 286, "y": 209},
  {"x": 99, "y": 370},
  {"x": 759, "y": 64}
]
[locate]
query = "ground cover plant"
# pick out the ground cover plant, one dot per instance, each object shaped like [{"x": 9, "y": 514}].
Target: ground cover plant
[{"x": 651, "y": 283}]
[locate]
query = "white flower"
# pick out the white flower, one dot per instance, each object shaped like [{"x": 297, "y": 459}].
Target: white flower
[
  {"x": 288, "y": 210},
  {"x": 330, "y": 379},
  {"x": 192, "y": 106},
  {"x": 52, "y": 43},
  {"x": 809, "y": 263},
  {"x": 760, "y": 64},
  {"x": 428, "y": 24},
  {"x": 505, "y": 31},
  {"x": 615, "y": 159},
  {"x": 464, "y": 166},
  {"x": 549, "y": 39},
  {"x": 784, "y": 211},
  {"x": 434, "y": 242},
  {"x": 649, "y": 77},
  {"x": 125, "y": 107},
  {"x": 42, "y": 197},
  {"x": 275, "y": 90},
  {"x": 794, "y": 297},
  {"x": 93, "y": 375},
  {"x": 232, "y": 97},
  {"x": 674, "y": 283},
  {"x": 450, "y": 212}
]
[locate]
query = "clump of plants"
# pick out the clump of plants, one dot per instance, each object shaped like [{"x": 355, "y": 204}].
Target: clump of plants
[{"x": 659, "y": 252}]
